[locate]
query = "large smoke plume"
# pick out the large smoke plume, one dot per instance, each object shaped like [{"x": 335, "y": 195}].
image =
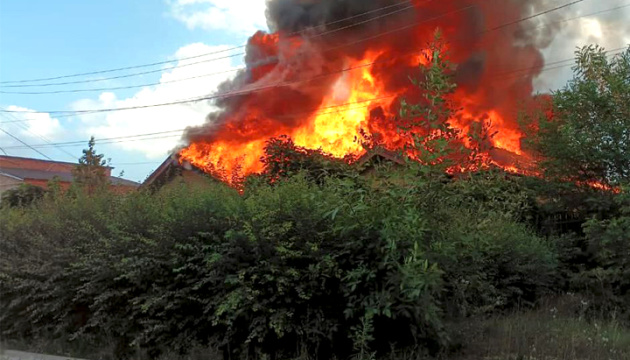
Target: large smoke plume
[{"x": 315, "y": 43}]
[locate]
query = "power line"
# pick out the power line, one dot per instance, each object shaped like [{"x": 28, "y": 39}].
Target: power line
[
  {"x": 194, "y": 63},
  {"x": 124, "y": 76},
  {"x": 545, "y": 67},
  {"x": 241, "y": 68},
  {"x": 315, "y": 111},
  {"x": 185, "y": 65},
  {"x": 45, "y": 139},
  {"x": 196, "y": 56},
  {"x": 122, "y": 87},
  {"x": 537, "y": 15},
  {"x": 299, "y": 81},
  {"x": 177, "y": 132},
  {"x": 121, "y": 68},
  {"x": 27, "y": 145},
  {"x": 137, "y": 163}
]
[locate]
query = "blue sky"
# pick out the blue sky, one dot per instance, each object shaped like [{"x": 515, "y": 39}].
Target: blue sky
[{"x": 45, "y": 38}]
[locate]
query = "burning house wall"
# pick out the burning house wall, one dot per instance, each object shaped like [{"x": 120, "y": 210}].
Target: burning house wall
[{"x": 332, "y": 72}]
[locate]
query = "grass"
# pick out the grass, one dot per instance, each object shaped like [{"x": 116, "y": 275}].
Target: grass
[{"x": 557, "y": 330}]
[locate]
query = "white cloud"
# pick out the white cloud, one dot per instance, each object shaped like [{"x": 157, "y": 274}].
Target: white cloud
[
  {"x": 242, "y": 17},
  {"x": 609, "y": 29},
  {"x": 161, "y": 118},
  {"x": 31, "y": 128},
  {"x": 38, "y": 124}
]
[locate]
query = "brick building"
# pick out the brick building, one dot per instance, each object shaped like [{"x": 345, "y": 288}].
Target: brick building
[{"x": 15, "y": 171}]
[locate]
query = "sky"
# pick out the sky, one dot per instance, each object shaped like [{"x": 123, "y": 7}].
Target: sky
[{"x": 46, "y": 39}]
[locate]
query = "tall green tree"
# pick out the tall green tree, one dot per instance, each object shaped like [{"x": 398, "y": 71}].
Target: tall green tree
[
  {"x": 91, "y": 172},
  {"x": 587, "y": 138},
  {"x": 425, "y": 122}
]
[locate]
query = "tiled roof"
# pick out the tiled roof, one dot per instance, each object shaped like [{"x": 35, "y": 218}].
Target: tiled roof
[
  {"x": 37, "y": 174},
  {"x": 122, "y": 182},
  {"x": 18, "y": 158},
  {"x": 166, "y": 164},
  {"x": 63, "y": 176}
]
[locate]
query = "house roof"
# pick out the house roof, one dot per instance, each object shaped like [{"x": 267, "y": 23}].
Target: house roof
[
  {"x": 382, "y": 153},
  {"x": 171, "y": 162},
  {"x": 123, "y": 182},
  {"x": 17, "y": 158},
  {"x": 37, "y": 174},
  {"x": 166, "y": 164},
  {"x": 23, "y": 174}
]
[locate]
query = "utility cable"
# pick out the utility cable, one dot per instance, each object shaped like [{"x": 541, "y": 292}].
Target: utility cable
[
  {"x": 286, "y": 83},
  {"x": 25, "y": 144},
  {"x": 236, "y": 69},
  {"x": 184, "y": 65}
]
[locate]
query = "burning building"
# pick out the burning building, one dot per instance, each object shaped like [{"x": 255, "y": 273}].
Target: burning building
[{"x": 331, "y": 74}]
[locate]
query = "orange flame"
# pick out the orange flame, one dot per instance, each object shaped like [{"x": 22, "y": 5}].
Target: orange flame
[
  {"x": 349, "y": 90},
  {"x": 339, "y": 126}
]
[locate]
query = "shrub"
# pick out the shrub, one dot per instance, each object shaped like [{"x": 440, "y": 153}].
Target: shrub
[
  {"x": 320, "y": 267},
  {"x": 607, "y": 278},
  {"x": 24, "y": 195},
  {"x": 492, "y": 263}
]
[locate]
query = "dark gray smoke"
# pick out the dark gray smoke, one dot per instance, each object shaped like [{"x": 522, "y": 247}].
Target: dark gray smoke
[{"x": 315, "y": 40}]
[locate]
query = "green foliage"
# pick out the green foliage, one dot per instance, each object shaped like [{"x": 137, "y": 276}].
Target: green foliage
[
  {"x": 425, "y": 123},
  {"x": 607, "y": 276},
  {"x": 23, "y": 195},
  {"x": 289, "y": 269},
  {"x": 555, "y": 330},
  {"x": 588, "y": 136},
  {"x": 283, "y": 159},
  {"x": 91, "y": 173},
  {"x": 308, "y": 260}
]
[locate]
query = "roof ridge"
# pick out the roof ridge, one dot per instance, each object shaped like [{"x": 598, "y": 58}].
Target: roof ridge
[{"x": 43, "y": 160}]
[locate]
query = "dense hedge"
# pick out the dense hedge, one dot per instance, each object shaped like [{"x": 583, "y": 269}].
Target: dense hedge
[{"x": 336, "y": 268}]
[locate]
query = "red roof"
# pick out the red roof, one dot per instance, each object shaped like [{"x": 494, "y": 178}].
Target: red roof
[{"x": 43, "y": 170}]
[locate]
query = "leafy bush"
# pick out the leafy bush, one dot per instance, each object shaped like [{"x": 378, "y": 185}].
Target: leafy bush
[
  {"x": 23, "y": 195},
  {"x": 492, "y": 263},
  {"x": 292, "y": 268},
  {"x": 587, "y": 138},
  {"x": 608, "y": 277}
]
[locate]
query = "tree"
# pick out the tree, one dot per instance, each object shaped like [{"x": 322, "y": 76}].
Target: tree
[
  {"x": 91, "y": 172},
  {"x": 426, "y": 123},
  {"x": 587, "y": 137},
  {"x": 283, "y": 159},
  {"x": 24, "y": 195}
]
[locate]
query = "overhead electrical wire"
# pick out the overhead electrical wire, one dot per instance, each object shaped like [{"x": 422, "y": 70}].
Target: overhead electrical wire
[
  {"x": 43, "y": 138},
  {"x": 136, "y": 136},
  {"x": 80, "y": 142},
  {"x": 25, "y": 144},
  {"x": 122, "y": 87},
  {"x": 232, "y": 70},
  {"x": 192, "y": 57},
  {"x": 195, "y": 56},
  {"x": 178, "y": 132},
  {"x": 122, "y": 76},
  {"x": 242, "y": 92}
]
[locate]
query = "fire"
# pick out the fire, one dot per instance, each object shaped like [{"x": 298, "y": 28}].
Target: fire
[
  {"x": 340, "y": 94},
  {"x": 338, "y": 132}
]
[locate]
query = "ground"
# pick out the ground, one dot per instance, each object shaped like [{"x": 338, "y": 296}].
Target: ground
[{"x": 557, "y": 330}]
